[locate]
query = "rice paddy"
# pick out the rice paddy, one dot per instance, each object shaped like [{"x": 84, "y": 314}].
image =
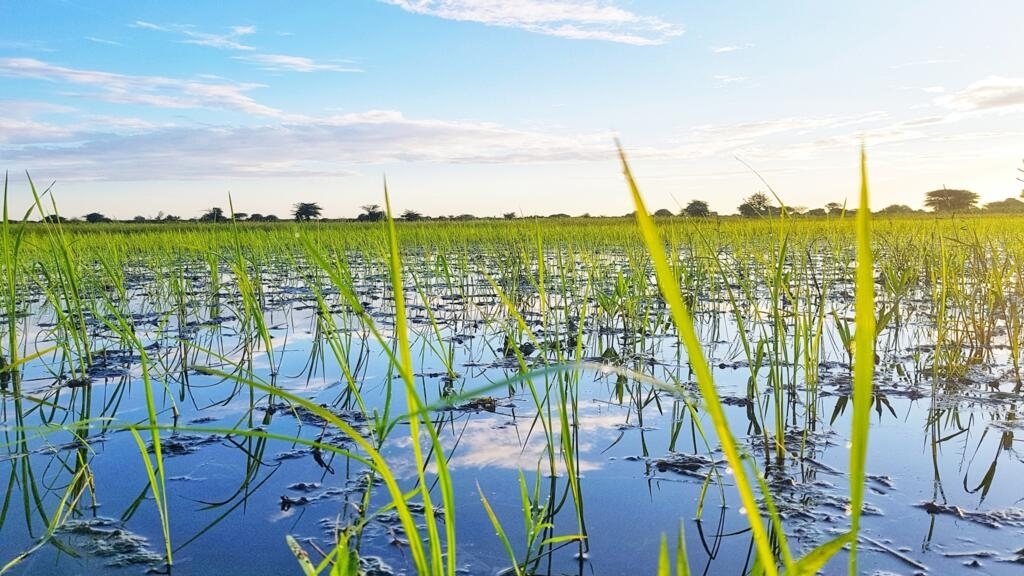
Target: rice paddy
[{"x": 599, "y": 396}]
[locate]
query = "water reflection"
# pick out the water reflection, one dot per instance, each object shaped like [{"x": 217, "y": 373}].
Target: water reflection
[{"x": 607, "y": 458}]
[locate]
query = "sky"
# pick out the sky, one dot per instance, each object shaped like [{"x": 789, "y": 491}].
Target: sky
[{"x": 486, "y": 107}]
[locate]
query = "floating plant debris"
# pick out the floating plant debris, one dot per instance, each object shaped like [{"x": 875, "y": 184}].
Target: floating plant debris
[{"x": 108, "y": 539}]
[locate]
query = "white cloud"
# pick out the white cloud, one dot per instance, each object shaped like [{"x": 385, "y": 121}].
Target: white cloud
[
  {"x": 24, "y": 132},
  {"x": 738, "y": 134},
  {"x": 731, "y": 48},
  {"x": 322, "y": 147},
  {"x": 928, "y": 62},
  {"x": 147, "y": 26},
  {"x": 992, "y": 93},
  {"x": 296, "y": 63},
  {"x": 575, "y": 19},
  {"x": 924, "y": 121},
  {"x": 156, "y": 91},
  {"x": 777, "y": 138},
  {"x": 726, "y": 79},
  {"x": 28, "y": 108},
  {"x": 229, "y": 41},
  {"x": 102, "y": 41}
]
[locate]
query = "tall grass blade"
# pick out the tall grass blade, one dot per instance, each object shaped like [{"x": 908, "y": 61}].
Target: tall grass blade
[
  {"x": 863, "y": 361},
  {"x": 669, "y": 286},
  {"x": 502, "y": 536}
]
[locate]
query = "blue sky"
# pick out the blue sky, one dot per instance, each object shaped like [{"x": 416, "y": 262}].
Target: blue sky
[{"x": 488, "y": 106}]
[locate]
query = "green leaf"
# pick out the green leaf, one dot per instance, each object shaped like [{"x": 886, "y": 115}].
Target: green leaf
[{"x": 816, "y": 559}]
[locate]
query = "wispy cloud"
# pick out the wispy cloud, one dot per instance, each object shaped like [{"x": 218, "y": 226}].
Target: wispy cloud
[
  {"x": 102, "y": 41},
  {"x": 725, "y": 79},
  {"x": 731, "y": 48},
  {"x": 778, "y": 138},
  {"x": 928, "y": 62},
  {"x": 993, "y": 93},
  {"x": 575, "y": 19},
  {"x": 156, "y": 91},
  {"x": 231, "y": 41},
  {"x": 25, "y": 132},
  {"x": 316, "y": 147},
  {"x": 738, "y": 134},
  {"x": 296, "y": 63},
  {"x": 228, "y": 41}
]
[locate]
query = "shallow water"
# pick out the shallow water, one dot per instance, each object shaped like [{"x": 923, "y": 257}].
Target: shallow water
[{"x": 944, "y": 461}]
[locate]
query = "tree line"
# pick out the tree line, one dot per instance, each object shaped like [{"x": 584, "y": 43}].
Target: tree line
[
  {"x": 943, "y": 200},
  {"x": 757, "y": 205}
]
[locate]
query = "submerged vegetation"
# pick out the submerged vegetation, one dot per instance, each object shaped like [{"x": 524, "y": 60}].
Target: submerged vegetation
[{"x": 511, "y": 395}]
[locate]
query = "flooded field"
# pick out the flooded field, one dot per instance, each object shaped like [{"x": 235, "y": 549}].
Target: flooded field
[{"x": 504, "y": 397}]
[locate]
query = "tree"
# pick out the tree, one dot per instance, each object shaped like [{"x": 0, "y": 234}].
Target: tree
[
  {"x": 947, "y": 200},
  {"x": 757, "y": 204},
  {"x": 896, "y": 209},
  {"x": 834, "y": 208},
  {"x": 1008, "y": 206},
  {"x": 214, "y": 214},
  {"x": 95, "y": 217},
  {"x": 663, "y": 213},
  {"x": 412, "y": 215},
  {"x": 697, "y": 209},
  {"x": 509, "y": 215},
  {"x": 305, "y": 211},
  {"x": 371, "y": 213}
]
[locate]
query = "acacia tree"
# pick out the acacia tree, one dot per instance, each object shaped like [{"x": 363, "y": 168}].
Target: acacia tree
[
  {"x": 94, "y": 217},
  {"x": 757, "y": 204},
  {"x": 896, "y": 209},
  {"x": 371, "y": 213},
  {"x": 215, "y": 214},
  {"x": 697, "y": 209},
  {"x": 947, "y": 200},
  {"x": 834, "y": 208},
  {"x": 1008, "y": 206},
  {"x": 304, "y": 211}
]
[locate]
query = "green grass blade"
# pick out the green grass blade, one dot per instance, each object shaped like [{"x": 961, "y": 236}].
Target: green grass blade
[
  {"x": 863, "y": 362},
  {"x": 499, "y": 531},
  {"x": 812, "y": 562},
  {"x": 301, "y": 555},
  {"x": 681, "y": 317},
  {"x": 664, "y": 566},
  {"x": 682, "y": 558}
]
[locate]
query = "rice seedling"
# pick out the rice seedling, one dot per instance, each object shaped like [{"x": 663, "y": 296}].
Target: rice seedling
[{"x": 477, "y": 395}]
